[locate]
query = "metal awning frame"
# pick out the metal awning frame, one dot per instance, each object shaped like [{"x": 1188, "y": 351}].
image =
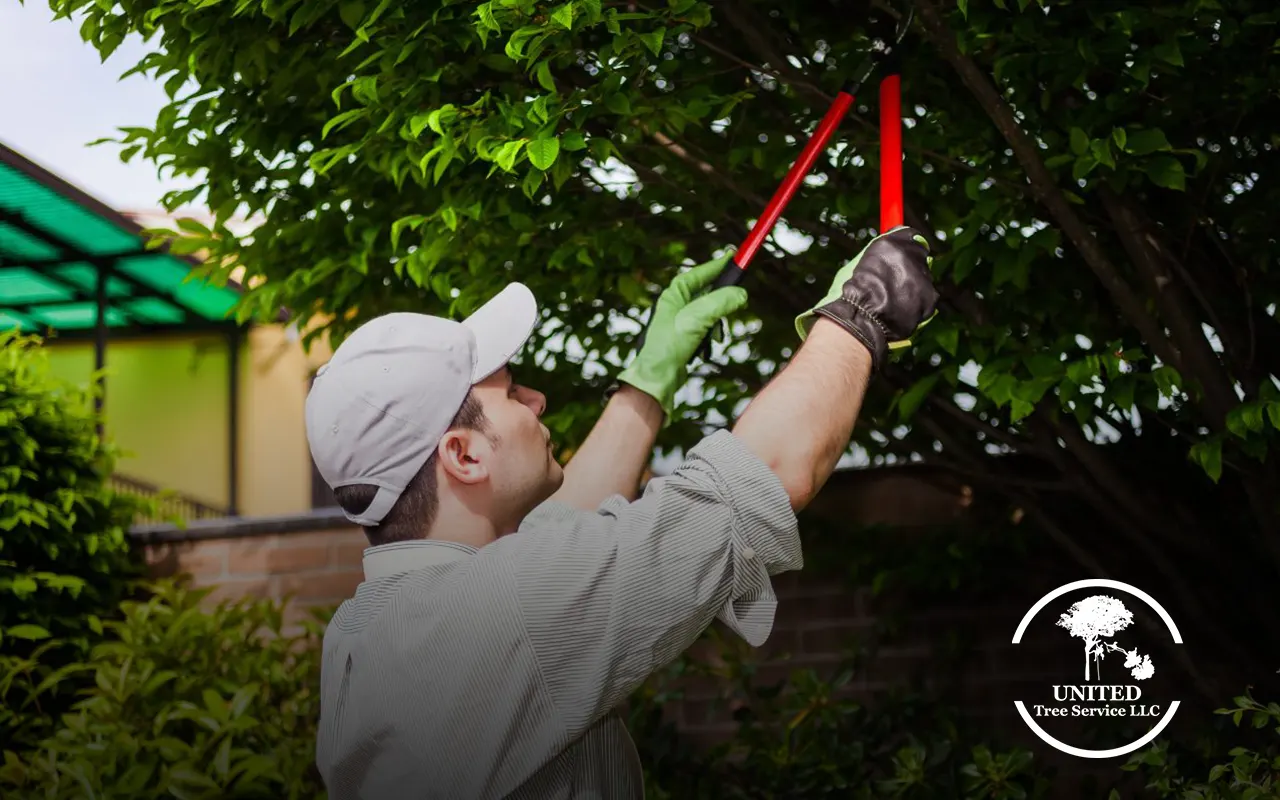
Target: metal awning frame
[{"x": 106, "y": 269}]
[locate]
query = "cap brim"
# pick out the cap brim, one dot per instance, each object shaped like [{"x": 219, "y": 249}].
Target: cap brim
[{"x": 502, "y": 326}]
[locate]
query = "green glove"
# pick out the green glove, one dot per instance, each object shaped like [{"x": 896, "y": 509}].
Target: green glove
[{"x": 677, "y": 327}]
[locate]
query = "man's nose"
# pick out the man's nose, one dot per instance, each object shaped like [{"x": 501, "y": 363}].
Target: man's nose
[{"x": 535, "y": 400}]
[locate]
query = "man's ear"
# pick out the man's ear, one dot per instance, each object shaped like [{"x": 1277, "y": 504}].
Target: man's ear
[{"x": 464, "y": 455}]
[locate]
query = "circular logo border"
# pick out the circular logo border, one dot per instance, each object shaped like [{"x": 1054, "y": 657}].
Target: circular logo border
[{"x": 1096, "y": 583}]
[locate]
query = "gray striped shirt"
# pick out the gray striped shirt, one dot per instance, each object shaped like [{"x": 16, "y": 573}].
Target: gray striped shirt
[{"x": 461, "y": 673}]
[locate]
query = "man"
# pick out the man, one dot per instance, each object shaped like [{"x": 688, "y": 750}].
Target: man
[{"x": 508, "y": 606}]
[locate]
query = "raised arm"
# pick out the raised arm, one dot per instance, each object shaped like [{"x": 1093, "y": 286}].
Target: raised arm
[
  {"x": 615, "y": 453},
  {"x": 800, "y": 425},
  {"x": 608, "y": 597}
]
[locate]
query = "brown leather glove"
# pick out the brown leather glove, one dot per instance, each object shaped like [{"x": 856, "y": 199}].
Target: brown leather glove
[{"x": 883, "y": 296}]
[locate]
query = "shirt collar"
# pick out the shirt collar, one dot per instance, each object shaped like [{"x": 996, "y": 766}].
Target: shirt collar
[{"x": 399, "y": 557}]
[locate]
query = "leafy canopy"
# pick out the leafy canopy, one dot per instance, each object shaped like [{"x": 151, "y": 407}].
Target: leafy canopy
[{"x": 1097, "y": 180}]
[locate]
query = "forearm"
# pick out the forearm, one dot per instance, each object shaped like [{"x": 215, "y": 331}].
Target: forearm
[
  {"x": 802, "y": 421},
  {"x": 615, "y": 453}
]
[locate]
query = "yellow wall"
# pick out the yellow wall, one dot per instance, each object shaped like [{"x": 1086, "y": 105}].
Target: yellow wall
[
  {"x": 167, "y": 407},
  {"x": 275, "y": 463}
]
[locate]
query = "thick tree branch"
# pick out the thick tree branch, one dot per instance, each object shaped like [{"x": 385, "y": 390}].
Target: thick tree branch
[
  {"x": 1043, "y": 187},
  {"x": 1199, "y": 360}
]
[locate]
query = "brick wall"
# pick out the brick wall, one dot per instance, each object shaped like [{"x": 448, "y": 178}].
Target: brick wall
[{"x": 316, "y": 559}]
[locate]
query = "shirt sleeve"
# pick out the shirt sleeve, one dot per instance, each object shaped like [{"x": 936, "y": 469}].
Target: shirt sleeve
[{"x": 608, "y": 597}]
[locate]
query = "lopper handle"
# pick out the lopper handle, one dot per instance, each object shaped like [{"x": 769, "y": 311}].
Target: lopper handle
[
  {"x": 795, "y": 176},
  {"x": 731, "y": 275},
  {"x": 891, "y": 204}
]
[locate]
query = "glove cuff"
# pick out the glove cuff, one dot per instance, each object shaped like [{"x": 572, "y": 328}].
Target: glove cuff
[
  {"x": 862, "y": 325},
  {"x": 652, "y": 386}
]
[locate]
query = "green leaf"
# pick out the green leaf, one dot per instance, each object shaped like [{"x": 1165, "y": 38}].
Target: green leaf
[
  {"x": 949, "y": 340},
  {"x": 418, "y": 123},
  {"x": 1167, "y": 380},
  {"x": 1166, "y": 171},
  {"x": 1045, "y": 365},
  {"x": 538, "y": 109},
  {"x": 1208, "y": 455},
  {"x": 352, "y": 13},
  {"x": 1169, "y": 52},
  {"x": 222, "y": 761},
  {"x": 487, "y": 20},
  {"x": 342, "y": 120},
  {"x": 543, "y": 75},
  {"x": 1101, "y": 149},
  {"x": 442, "y": 164},
  {"x": 532, "y": 180},
  {"x": 450, "y": 217},
  {"x": 1079, "y": 141},
  {"x": 618, "y": 103},
  {"x": 913, "y": 397},
  {"x": 515, "y": 45},
  {"x": 543, "y": 152},
  {"x": 1142, "y": 141},
  {"x": 1018, "y": 409},
  {"x": 1083, "y": 166},
  {"x": 563, "y": 16},
  {"x": 28, "y": 632},
  {"x": 654, "y": 40},
  {"x": 573, "y": 140},
  {"x": 508, "y": 153},
  {"x": 397, "y": 228}
]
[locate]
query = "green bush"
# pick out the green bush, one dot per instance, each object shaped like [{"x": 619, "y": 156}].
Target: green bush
[
  {"x": 803, "y": 738},
  {"x": 180, "y": 703},
  {"x": 65, "y": 559},
  {"x": 1238, "y": 762},
  {"x": 184, "y": 702}
]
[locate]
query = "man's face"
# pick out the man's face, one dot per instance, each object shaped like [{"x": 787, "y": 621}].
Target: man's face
[{"x": 523, "y": 468}]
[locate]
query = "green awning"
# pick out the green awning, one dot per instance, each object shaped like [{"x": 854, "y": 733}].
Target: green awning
[{"x": 61, "y": 251}]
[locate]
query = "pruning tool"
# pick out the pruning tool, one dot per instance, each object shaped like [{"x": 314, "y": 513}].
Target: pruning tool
[{"x": 884, "y": 52}]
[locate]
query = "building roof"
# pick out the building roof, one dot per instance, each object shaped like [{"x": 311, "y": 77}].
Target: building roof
[{"x": 55, "y": 240}]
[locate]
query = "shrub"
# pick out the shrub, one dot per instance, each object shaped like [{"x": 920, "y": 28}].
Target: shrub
[
  {"x": 185, "y": 702},
  {"x": 181, "y": 702},
  {"x": 65, "y": 559},
  {"x": 805, "y": 738},
  {"x": 1231, "y": 763}
]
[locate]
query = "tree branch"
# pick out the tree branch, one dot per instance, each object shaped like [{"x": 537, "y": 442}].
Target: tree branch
[
  {"x": 1042, "y": 185},
  {"x": 1200, "y": 362}
]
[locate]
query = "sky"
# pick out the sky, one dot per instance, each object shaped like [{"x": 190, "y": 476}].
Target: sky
[{"x": 57, "y": 96}]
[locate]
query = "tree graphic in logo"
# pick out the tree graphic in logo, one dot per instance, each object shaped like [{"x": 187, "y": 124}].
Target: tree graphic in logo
[{"x": 1100, "y": 617}]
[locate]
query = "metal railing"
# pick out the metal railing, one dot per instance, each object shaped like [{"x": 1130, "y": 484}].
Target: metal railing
[{"x": 168, "y": 505}]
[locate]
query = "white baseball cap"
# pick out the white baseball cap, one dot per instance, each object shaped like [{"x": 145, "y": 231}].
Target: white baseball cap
[{"x": 379, "y": 408}]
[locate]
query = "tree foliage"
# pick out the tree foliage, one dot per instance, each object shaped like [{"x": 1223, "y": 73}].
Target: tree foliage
[{"x": 1097, "y": 180}]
